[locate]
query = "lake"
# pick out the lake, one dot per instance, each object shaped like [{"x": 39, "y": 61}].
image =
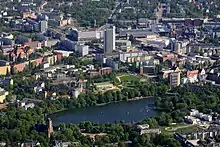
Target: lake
[{"x": 127, "y": 111}]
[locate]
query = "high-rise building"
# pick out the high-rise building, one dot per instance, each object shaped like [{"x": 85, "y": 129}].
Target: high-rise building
[
  {"x": 83, "y": 50},
  {"x": 174, "y": 78},
  {"x": 109, "y": 40},
  {"x": 43, "y": 26}
]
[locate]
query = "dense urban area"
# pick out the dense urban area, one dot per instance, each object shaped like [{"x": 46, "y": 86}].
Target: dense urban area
[{"x": 70, "y": 68}]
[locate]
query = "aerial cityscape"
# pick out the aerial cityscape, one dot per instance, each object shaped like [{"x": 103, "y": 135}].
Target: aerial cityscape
[{"x": 110, "y": 73}]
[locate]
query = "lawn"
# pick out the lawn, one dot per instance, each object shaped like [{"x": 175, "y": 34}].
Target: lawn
[
  {"x": 128, "y": 78},
  {"x": 188, "y": 129},
  {"x": 181, "y": 128}
]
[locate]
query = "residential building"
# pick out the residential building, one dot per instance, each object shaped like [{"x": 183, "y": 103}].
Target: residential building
[
  {"x": 191, "y": 120},
  {"x": 28, "y": 15},
  {"x": 63, "y": 53},
  {"x": 21, "y": 39},
  {"x": 39, "y": 87},
  {"x": 6, "y": 42},
  {"x": 174, "y": 78},
  {"x": 29, "y": 105},
  {"x": 202, "y": 75},
  {"x": 165, "y": 57},
  {"x": 3, "y": 95},
  {"x": 76, "y": 92},
  {"x": 51, "y": 59},
  {"x": 7, "y": 48},
  {"x": 180, "y": 47},
  {"x": 105, "y": 70},
  {"x": 113, "y": 64},
  {"x": 192, "y": 76},
  {"x": 46, "y": 65},
  {"x": 50, "y": 43},
  {"x": 109, "y": 40},
  {"x": 139, "y": 58},
  {"x": 124, "y": 56},
  {"x": 123, "y": 44},
  {"x": 83, "y": 50},
  {"x": 30, "y": 144},
  {"x": 147, "y": 70},
  {"x": 19, "y": 67},
  {"x": 5, "y": 69},
  {"x": 65, "y": 144},
  {"x": 34, "y": 45},
  {"x": 67, "y": 45},
  {"x": 36, "y": 62},
  {"x": 215, "y": 77},
  {"x": 43, "y": 26}
]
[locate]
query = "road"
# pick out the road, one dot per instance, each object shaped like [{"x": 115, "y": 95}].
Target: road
[{"x": 117, "y": 4}]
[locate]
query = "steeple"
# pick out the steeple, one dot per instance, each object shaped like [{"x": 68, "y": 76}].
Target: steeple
[{"x": 50, "y": 128}]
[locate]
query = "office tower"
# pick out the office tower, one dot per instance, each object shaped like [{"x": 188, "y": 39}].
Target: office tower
[
  {"x": 109, "y": 40},
  {"x": 43, "y": 26},
  {"x": 174, "y": 79}
]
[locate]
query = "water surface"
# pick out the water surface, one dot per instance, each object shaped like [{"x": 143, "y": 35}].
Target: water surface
[{"x": 129, "y": 111}]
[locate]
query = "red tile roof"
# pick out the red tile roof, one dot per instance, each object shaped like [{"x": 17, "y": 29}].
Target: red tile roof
[
  {"x": 192, "y": 73},
  {"x": 30, "y": 43}
]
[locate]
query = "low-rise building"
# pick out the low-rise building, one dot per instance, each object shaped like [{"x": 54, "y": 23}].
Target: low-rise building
[
  {"x": 34, "y": 45},
  {"x": 103, "y": 86},
  {"x": 29, "y": 144},
  {"x": 28, "y": 103},
  {"x": 192, "y": 76},
  {"x": 5, "y": 70},
  {"x": 64, "y": 53},
  {"x": 3, "y": 95},
  {"x": 150, "y": 131},
  {"x": 123, "y": 44},
  {"x": 19, "y": 67},
  {"x": 144, "y": 126},
  {"x": 105, "y": 70},
  {"x": 147, "y": 70},
  {"x": 76, "y": 92},
  {"x": 144, "y": 129},
  {"x": 197, "y": 114},
  {"x": 191, "y": 120},
  {"x": 51, "y": 59}
]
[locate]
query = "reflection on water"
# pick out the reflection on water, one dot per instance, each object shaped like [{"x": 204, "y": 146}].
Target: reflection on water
[{"x": 131, "y": 111}]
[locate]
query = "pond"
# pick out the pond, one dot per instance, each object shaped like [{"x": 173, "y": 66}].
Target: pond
[{"x": 126, "y": 111}]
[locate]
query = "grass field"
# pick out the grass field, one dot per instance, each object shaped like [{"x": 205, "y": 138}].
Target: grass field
[
  {"x": 128, "y": 78},
  {"x": 181, "y": 128},
  {"x": 187, "y": 129}
]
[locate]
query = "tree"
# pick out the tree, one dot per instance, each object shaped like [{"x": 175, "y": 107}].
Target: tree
[{"x": 121, "y": 144}]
